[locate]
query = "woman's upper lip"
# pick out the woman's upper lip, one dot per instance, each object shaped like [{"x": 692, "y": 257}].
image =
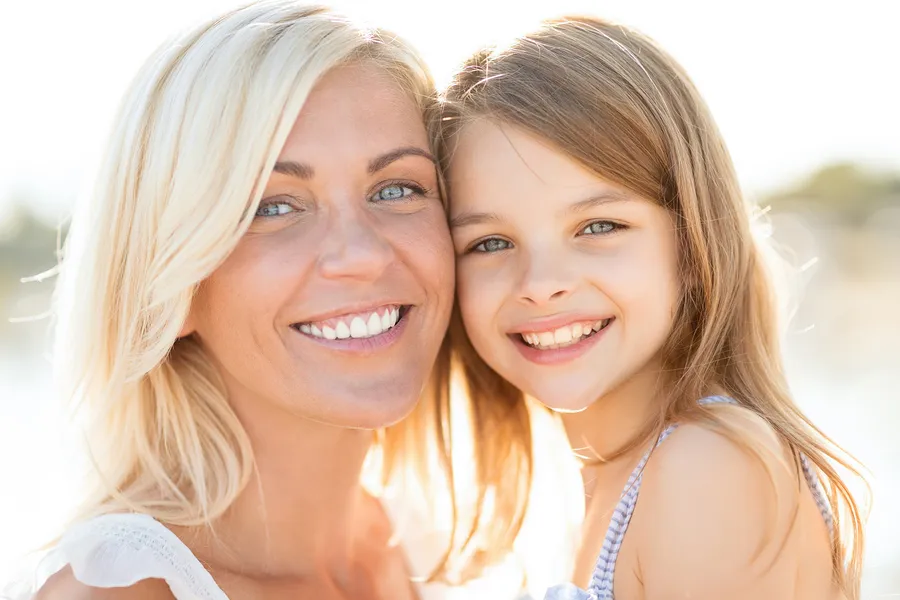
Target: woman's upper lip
[
  {"x": 352, "y": 309},
  {"x": 553, "y": 322}
]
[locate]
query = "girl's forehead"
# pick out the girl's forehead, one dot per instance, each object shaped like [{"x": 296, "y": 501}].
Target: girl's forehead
[
  {"x": 505, "y": 166},
  {"x": 488, "y": 148}
]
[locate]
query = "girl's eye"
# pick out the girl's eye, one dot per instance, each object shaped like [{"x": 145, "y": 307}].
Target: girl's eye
[
  {"x": 600, "y": 227},
  {"x": 491, "y": 245},
  {"x": 395, "y": 191}
]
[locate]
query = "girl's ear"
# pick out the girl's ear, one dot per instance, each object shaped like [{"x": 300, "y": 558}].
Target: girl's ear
[
  {"x": 687, "y": 273},
  {"x": 691, "y": 278}
]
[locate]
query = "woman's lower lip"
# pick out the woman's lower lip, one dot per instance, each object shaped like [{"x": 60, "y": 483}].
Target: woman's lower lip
[
  {"x": 368, "y": 345},
  {"x": 558, "y": 355}
]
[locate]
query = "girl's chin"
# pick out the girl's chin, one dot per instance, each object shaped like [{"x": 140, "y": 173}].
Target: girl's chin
[
  {"x": 569, "y": 403},
  {"x": 567, "y": 410}
]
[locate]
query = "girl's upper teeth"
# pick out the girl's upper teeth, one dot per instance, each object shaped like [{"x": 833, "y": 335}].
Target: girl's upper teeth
[
  {"x": 360, "y": 325},
  {"x": 564, "y": 335}
]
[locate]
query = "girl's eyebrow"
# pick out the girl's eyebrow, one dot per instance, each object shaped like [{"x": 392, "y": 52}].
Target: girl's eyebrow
[
  {"x": 595, "y": 201},
  {"x": 467, "y": 219}
]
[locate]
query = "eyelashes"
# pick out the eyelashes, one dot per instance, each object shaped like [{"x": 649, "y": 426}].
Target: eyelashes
[
  {"x": 398, "y": 191},
  {"x": 491, "y": 245},
  {"x": 389, "y": 192},
  {"x": 494, "y": 244},
  {"x": 601, "y": 228},
  {"x": 278, "y": 206}
]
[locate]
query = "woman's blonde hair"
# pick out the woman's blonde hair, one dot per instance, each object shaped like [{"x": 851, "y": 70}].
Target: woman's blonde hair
[
  {"x": 197, "y": 133},
  {"x": 612, "y": 100}
]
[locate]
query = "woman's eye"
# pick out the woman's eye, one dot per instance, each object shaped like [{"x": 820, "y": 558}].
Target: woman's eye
[
  {"x": 599, "y": 227},
  {"x": 393, "y": 192},
  {"x": 492, "y": 245},
  {"x": 274, "y": 209}
]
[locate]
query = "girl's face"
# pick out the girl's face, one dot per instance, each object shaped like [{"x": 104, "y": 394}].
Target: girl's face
[
  {"x": 334, "y": 304},
  {"x": 567, "y": 283}
]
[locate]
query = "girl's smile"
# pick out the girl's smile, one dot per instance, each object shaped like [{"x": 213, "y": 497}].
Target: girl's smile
[{"x": 547, "y": 344}]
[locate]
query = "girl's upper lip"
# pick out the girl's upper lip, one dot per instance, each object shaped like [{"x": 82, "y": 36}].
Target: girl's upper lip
[{"x": 556, "y": 321}]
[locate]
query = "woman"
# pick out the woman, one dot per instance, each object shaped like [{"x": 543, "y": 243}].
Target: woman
[
  {"x": 606, "y": 268},
  {"x": 261, "y": 279}
]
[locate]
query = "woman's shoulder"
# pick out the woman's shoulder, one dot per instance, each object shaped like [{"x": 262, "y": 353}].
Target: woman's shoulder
[
  {"x": 64, "y": 585},
  {"x": 121, "y": 556}
]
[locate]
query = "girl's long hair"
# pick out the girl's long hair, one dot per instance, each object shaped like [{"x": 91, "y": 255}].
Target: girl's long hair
[{"x": 612, "y": 100}]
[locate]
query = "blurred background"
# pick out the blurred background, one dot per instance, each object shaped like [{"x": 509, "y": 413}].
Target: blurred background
[{"x": 806, "y": 94}]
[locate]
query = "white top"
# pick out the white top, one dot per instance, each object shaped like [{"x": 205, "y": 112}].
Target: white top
[
  {"x": 122, "y": 549},
  {"x": 118, "y": 550}
]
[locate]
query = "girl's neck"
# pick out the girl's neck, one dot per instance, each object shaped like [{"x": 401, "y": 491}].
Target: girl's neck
[
  {"x": 604, "y": 429},
  {"x": 301, "y": 513},
  {"x": 609, "y": 436}
]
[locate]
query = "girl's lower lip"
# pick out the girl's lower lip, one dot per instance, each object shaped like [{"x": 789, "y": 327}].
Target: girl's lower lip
[
  {"x": 368, "y": 345},
  {"x": 559, "y": 355}
]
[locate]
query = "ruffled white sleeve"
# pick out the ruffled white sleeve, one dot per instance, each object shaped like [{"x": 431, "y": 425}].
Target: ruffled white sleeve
[{"x": 118, "y": 551}]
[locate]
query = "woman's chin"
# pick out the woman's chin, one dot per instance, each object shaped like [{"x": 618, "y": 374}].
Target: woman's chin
[
  {"x": 387, "y": 416},
  {"x": 373, "y": 413}
]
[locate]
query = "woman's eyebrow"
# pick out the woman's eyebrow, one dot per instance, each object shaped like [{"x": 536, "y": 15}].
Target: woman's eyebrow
[
  {"x": 294, "y": 169},
  {"x": 306, "y": 172},
  {"x": 379, "y": 163}
]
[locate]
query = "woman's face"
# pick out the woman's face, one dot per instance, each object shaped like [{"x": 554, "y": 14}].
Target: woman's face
[
  {"x": 334, "y": 304},
  {"x": 567, "y": 283}
]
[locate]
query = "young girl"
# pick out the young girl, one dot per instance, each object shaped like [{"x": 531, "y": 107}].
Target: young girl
[{"x": 606, "y": 267}]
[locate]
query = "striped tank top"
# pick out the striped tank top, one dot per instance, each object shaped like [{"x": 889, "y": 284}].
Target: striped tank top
[{"x": 601, "y": 586}]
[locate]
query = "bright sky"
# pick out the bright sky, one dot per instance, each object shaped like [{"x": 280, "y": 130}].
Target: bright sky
[{"x": 792, "y": 83}]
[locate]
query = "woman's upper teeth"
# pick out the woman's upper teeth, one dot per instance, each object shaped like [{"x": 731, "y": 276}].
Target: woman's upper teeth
[
  {"x": 564, "y": 335},
  {"x": 357, "y": 325}
]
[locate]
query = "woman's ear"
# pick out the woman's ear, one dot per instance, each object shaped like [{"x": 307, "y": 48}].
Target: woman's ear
[
  {"x": 189, "y": 325},
  {"x": 187, "y": 328}
]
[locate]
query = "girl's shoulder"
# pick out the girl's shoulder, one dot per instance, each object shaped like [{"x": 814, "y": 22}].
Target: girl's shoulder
[
  {"x": 719, "y": 503},
  {"x": 708, "y": 473},
  {"x": 734, "y": 434}
]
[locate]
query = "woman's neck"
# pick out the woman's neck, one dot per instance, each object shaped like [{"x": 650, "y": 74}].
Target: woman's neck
[{"x": 300, "y": 514}]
